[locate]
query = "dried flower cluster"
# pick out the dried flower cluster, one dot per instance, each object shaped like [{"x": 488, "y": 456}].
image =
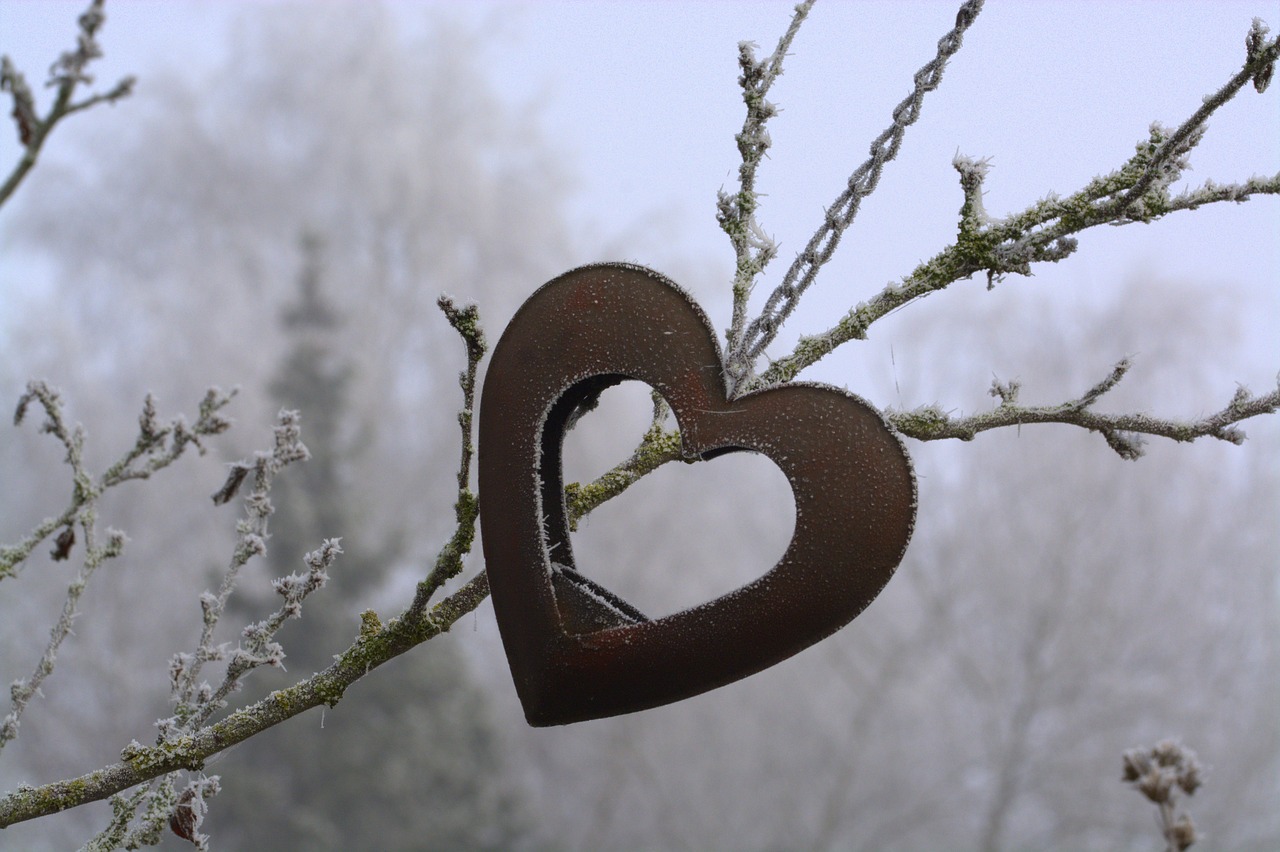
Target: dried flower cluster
[{"x": 1160, "y": 773}]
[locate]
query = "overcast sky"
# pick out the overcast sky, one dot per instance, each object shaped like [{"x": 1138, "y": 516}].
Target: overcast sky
[{"x": 642, "y": 99}]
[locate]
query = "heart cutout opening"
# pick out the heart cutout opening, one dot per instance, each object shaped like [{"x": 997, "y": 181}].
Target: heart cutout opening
[{"x": 732, "y": 516}]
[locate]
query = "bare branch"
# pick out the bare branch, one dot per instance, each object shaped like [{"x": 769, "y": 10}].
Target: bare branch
[
  {"x": 155, "y": 448},
  {"x": 466, "y": 321},
  {"x": 752, "y": 248},
  {"x": 65, "y": 75},
  {"x": 1123, "y": 432},
  {"x": 24, "y": 689},
  {"x": 741, "y": 358},
  {"x": 186, "y": 739},
  {"x": 195, "y": 704},
  {"x": 658, "y": 447},
  {"x": 258, "y": 647},
  {"x": 141, "y": 763},
  {"x": 1138, "y": 191}
]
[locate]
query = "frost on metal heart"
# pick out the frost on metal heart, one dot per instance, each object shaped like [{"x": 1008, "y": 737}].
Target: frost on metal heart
[{"x": 576, "y": 650}]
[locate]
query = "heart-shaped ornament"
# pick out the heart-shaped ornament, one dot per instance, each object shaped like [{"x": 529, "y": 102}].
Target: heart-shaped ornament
[{"x": 576, "y": 650}]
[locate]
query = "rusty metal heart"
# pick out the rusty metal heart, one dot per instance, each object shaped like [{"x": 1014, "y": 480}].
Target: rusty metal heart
[{"x": 576, "y": 650}]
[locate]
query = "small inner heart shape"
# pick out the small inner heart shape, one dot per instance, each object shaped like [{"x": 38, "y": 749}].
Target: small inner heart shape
[{"x": 576, "y": 650}]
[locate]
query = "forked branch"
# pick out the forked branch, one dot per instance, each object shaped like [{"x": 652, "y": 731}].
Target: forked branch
[
  {"x": 1124, "y": 433},
  {"x": 1137, "y": 191},
  {"x": 65, "y": 75}
]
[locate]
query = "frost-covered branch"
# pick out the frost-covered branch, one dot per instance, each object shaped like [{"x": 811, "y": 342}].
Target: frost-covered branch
[
  {"x": 466, "y": 321},
  {"x": 156, "y": 447},
  {"x": 159, "y": 800},
  {"x": 376, "y": 645},
  {"x": 21, "y": 691},
  {"x": 161, "y": 805},
  {"x": 752, "y": 248},
  {"x": 1123, "y": 432},
  {"x": 65, "y": 75},
  {"x": 195, "y": 701},
  {"x": 803, "y": 272},
  {"x": 187, "y": 738},
  {"x": 1137, "y": 191}
]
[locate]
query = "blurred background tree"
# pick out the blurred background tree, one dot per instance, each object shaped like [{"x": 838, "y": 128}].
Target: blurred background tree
[{"x": 408, "y": 760}]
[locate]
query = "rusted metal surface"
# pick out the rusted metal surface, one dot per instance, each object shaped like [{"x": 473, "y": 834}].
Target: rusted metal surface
[{"x": 576, "y": 650}]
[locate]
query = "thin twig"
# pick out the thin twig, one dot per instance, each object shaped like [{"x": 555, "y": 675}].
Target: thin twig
[
  {"x": 184, "y": 670},
  {"x": 752, "y": 248},
  {"x": 65, "y": 75},
  {"x": 155, "y": 448},
  {"x": 466, "y": 321}
]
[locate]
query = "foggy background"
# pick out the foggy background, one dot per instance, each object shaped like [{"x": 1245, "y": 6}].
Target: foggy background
[{"x": 1056, "y": 606}]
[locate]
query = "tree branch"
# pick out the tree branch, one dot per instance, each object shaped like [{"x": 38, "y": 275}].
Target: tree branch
[
  {"x": 1138, "y": 191},
  {"x": 155, "y": 448},
  {"x": 658, "y": 447},
  {"x": 141, "y": 763},
  {"x": 185, "y": 741},
  {"x": 65, "y": 75},
  {"x": 1123, "y": 432},
  {"x": 466, "y": 321},
  {"x": 752, "y": 248},
  {"x": 743, "y": 354}
]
